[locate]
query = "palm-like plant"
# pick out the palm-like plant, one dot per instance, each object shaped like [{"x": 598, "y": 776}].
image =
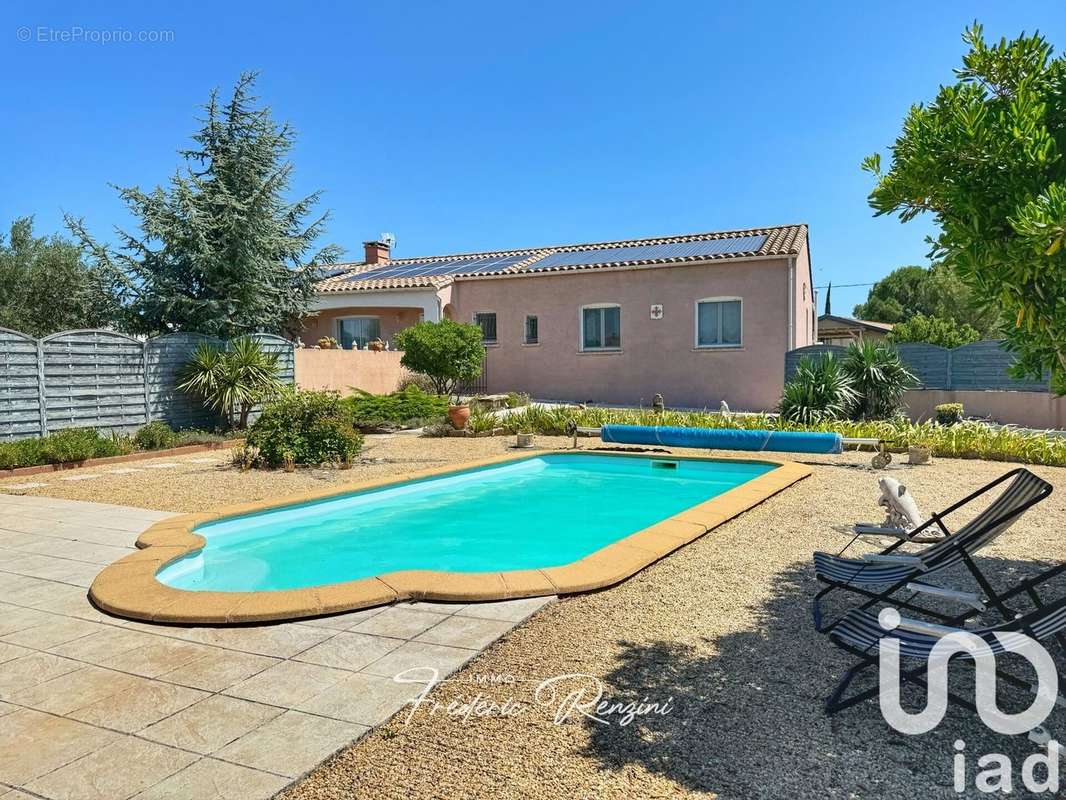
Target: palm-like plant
[
  {"x": 232, "y": 381},
  {"x": 879, "y": 376},
  {"x": 820, "y": 390}
]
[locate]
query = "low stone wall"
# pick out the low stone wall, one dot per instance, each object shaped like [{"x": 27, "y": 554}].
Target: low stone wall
[
  {"x": 343, "y": 370},
  {"x": 1029, "y": 409}
]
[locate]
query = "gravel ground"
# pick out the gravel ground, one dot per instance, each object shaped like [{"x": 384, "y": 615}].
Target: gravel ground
[
  {"x": 721, "y": 630},
  {"x": 718, "y": 635},
  {"x": 207, "y": 480}
]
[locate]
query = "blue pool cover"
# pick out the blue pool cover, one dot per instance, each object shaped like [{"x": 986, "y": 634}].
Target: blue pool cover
[{"x": 725, "y": 439}]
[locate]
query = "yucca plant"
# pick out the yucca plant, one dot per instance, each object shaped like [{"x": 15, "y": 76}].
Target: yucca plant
[
  {"x": 820, "y": 390},
  {"x": 232, "y": 381},
  {"x": 880, "y": 378}
]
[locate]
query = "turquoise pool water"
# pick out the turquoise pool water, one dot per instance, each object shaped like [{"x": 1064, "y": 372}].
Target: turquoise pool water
[{"x": 543, "y": 511}]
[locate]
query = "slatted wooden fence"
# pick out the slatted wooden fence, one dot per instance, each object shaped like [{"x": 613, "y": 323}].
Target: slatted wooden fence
[
  {"x": 976, "y": 366},
  {"x": 103, "y": 379}
]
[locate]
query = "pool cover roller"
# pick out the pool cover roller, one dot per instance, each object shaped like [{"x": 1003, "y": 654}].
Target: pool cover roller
[{"x": 725, "y": 439}]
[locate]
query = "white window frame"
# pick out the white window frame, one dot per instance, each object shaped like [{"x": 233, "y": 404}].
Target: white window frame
[
  {"x": 525, "y": 329},
  {"x": 337, "y": 324},
  {"x": 696, "y": 323},
  {"x": 581, "y": 329},
  {"x": 473, "y": 321}
]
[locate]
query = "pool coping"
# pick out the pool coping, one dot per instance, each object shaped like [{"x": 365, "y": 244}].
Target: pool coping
[{"x": 129, "y": 587}]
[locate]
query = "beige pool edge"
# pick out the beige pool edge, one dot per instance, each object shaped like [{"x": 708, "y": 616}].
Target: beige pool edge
[{"x": 129, "y": 587}]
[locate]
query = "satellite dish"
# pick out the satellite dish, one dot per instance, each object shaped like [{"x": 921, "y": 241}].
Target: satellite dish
[{"x": 388, "y": 239}]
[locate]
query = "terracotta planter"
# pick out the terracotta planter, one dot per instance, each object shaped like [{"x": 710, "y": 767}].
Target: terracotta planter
[
  {"x": 459, "y": 416},
  {"x": 918, "y": 454}
]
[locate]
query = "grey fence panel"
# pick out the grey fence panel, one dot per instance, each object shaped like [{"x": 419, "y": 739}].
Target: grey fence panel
[
  {"x": 930, "y": 364},
  {"x": 165, "y": 357},
  {"x": 106, "y": 380},
  {"x": 20, "y": 403},
  {"x": 286, "y": 357},
  {"x": 93, "y": 379},
  {"x": 978, "y": 366},
  {"x": 814, "y": 352},
  {"x": 985, "y": 365}
]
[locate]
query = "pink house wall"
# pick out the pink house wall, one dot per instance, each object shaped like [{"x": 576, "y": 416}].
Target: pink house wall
[
  {"x": 806, "y": 315},
  {"x": 1029, "y": 409},
  {"x": 344, "y": 370},
  {"x": 657, "y": 356}
]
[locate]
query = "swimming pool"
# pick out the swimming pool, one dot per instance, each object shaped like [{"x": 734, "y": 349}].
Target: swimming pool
[
  {"x": 543, "y": 511},
  {"x": 513, "y": 526}
]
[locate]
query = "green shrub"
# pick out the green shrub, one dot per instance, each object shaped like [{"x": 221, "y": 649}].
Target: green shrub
[
  {"x": 197, "y": 436},
  {"x": 155, "y": 436},
  {"x": 819, "y": 390},
  {"x": 407, "y": 408},
  {"x": 71, "y": 445},
  {"x": 482, "y": 419},
  {"x": 423, "y": 382},
  {"x": 949, "y": 413},
  {"x": 314, "y": 427},
  {"x": 517, "y": 399},
  {"x": 941, "y": 331},
  {"x": 113, "y": 445},
  {"x": 964, "y": 440},
  {"x": 22, "y": 453},
  {"x": 879, "y": 377},
  {"x": 449, "y": 352},
  {"x": 867, "y": 383}
]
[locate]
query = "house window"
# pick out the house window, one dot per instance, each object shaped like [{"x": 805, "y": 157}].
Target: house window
[
  {"x": 357, "y": 331},
  {"x": 486, "y": 320},
  {"x": 601, "y": 327},
  {"x": 531, "y": 330},
  {"x": 718, "y": 322}
]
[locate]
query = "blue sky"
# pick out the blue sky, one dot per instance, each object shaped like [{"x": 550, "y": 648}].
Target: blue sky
[{"x": 472, "y": 126}]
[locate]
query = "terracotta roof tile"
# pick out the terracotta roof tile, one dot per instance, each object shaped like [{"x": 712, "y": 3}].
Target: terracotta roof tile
[{"x": 784, "y": 240}]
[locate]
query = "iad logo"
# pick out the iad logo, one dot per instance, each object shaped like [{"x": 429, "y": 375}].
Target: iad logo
[
  {"x": 984, "y": 659},
  {"x": 997, "y": 772}
]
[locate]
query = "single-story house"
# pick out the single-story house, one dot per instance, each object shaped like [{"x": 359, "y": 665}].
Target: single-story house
[
  {"x": 698, "y": 318},
  {"x": 834, "y": 329}
]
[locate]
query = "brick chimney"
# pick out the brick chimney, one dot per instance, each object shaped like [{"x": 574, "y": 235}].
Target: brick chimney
[{"x": 376, "y": 252}]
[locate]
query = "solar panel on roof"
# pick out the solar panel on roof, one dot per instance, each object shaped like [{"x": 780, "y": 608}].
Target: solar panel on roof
[
  {"x": 487, "y": 265},
  {"x": 451, "y": 266},
  {"x": 647, "y": 252}
]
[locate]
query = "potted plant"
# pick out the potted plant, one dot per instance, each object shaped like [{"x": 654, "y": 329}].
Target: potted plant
[
  {"x": 525, "y": 440},
  {"x": 288, "y": 460},
  {"x": 327, "y": 343},
  {"x": 458, "y": 414},
  {"x": 919, "y": 453}
]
